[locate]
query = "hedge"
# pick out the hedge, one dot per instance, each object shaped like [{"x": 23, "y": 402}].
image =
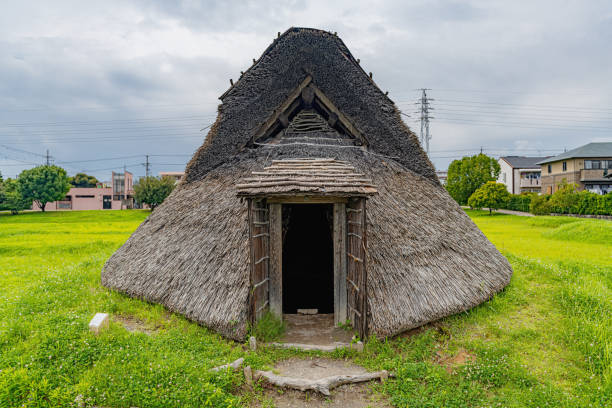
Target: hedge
[{"x": 567, "y": 200}]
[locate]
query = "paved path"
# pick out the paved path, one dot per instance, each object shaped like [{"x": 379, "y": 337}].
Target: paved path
[{"x": 502, "y": 211}]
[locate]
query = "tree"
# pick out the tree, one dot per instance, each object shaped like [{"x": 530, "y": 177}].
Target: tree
[
  {"x": 491, "y": 195},
  {"x": 469, "y": 173},
  {"x": 43, "y": 184},
  {"x": 152, "y": 190},
  {"x": 83, "y": 180},
  {"x": 11, "y": 199}
]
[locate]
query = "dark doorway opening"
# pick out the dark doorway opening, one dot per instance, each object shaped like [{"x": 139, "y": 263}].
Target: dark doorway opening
[
  {"x": 106, "y": 202},
  {"x": 308, "y": 257}
]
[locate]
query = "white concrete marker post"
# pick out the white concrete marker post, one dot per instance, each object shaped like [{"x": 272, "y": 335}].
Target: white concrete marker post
[{"x": 98, "y": 323}]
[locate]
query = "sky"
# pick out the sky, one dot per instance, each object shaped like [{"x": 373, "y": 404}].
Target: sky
[{"x": 100, "y": 85}]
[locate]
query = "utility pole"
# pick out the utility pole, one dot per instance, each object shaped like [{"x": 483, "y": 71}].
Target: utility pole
[
  {"x": 147, "y": 164},
  {"x": 424, "y": 115},
  {"x": 124, "y": 187},
  {"x": 48, "y": 158}
]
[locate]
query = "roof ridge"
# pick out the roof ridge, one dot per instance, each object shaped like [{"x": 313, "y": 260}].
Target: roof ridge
[{"x": 341, "y": 46}]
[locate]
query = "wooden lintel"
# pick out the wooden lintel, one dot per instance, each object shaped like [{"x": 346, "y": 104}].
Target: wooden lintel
[{"x": 308, "y": 200}]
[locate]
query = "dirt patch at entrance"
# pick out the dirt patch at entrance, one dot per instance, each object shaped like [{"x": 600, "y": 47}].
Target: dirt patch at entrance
[
  {"x": 314, "y": 329},
  {"x": 316, "y": 368},
  {"x": 349, "y": 396},
  {"x": 451, "y": 362}
]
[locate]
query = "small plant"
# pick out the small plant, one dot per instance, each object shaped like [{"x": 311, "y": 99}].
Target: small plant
[
  {"x": 347, "y": 325},
  {"x": 268, "y": 328}
]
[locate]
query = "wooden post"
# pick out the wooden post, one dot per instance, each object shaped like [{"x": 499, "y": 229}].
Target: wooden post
[
  {"x": 276, "y": 260},
  {"x": 339, "y": 264}
]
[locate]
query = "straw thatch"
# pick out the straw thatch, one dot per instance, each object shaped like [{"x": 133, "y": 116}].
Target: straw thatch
[
  {"x": 306, "y": 176},
  {"x": 425, "y": 259}
]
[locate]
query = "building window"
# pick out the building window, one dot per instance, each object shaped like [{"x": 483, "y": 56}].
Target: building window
[
  {"x": 85, "y": 196},
  {"x": 592, "y": 164},
  {"x": 550, "y": 168},
  {"x": 564, "y": 166},
  {"x": 504, "y": 177}
]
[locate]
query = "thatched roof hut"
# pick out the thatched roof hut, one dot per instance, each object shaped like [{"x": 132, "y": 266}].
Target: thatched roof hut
[{"x": 309, "y": 191}]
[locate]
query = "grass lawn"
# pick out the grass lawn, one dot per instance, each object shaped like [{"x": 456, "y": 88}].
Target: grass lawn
[{"x": 545, "y": 341}]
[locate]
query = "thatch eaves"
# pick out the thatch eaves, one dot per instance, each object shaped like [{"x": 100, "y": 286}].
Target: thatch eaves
[{"x": 306, "y": 176}]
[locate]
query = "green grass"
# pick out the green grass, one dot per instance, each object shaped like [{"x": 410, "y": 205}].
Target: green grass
[{"x": 545, "y": 341}]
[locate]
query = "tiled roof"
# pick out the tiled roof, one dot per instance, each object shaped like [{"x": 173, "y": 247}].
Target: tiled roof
[
  {"x": 522, "y": 162},
  {"x": 588, "y": 150}
]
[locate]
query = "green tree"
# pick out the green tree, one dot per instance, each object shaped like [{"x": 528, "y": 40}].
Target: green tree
[
  {"x": 83, "y": 180},
  {"x": 43, "y": 184},
  {"x": 490, "y": 195},
  {"x": 10, "y": 197},
  {"x": 469, "y": 173},
  {"x": 152, "y": 190}
]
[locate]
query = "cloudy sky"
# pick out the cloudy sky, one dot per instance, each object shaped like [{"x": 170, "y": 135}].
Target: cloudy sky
[{"x": 102, "y": 84}]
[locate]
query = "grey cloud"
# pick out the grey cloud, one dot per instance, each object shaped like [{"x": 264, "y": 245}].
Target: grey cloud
[{"x": 75, "y": 61}]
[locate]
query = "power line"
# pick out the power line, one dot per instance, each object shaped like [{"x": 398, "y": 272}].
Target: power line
[
  {"x": 522, "y": 125},
  {"x": 142, "y": 138},
  {"x": 109, "y": 108},
  {"x": 105, "y": 159},
  {"x": 39, "y": 132},
  {"x": 547, "y": 107},
  {"x": 104, "y": 121}
]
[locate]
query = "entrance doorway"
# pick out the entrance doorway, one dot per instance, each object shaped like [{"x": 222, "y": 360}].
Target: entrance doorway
[
  {"x": 106, "y": 202},
  {"x": 307, "y": 257}
]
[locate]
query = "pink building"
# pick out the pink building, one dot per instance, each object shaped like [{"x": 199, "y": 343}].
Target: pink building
[{"x": 118, "y": 195}]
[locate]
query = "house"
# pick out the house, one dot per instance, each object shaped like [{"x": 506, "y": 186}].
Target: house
[
  {"x": 587, "y": 166},
  {"x": 442, "y": 176},
  {"x": 116, "y": 195},
  {"x": 309, "y": 192},
  {"x": 177, "y": 176},
  {"x": 520, "y": 174}
]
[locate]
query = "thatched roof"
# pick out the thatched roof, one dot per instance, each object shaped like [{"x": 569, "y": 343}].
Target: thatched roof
[
  {"x": 283, "y": 67},
  {"x": 426, "y": 259},
  {"x": 306, "y": 176}
]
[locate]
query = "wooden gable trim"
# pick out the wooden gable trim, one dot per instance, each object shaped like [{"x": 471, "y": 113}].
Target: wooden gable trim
[
  {"x": 306, "y": 95},
  {"x": 282, "y": 109}
]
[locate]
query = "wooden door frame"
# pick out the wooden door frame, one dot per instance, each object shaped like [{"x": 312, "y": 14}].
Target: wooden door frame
[
  {"x": 275, "y": 262},
  {"x": 339, "y": 251}
]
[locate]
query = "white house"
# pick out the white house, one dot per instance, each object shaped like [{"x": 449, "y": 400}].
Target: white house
[{"x": 520, "y": 174}]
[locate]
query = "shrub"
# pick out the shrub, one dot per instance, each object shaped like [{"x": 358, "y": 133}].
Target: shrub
[
  {"x": 520, "y": 202},
  {"x": 565, "y": 200},
  {"x": 540, "y": 205},
  {"x": 587, "y": 203}
]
